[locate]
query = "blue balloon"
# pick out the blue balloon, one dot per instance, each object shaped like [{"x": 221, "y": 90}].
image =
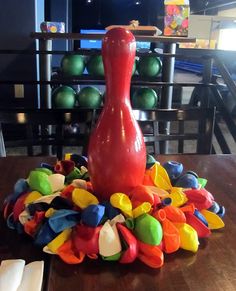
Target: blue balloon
[
  {"x": 215, "y": 207},
  {"x": 110, "y": 211},
  {"x": 21, "y": 186},
  {"x": 92, "y": 215},
  {"x": 200, "y": 217},
  {"x": 221, "y": 212},
  {"x": 166, "y": 201},
  {"x": 10, "y": 221},
  {"x": 192, "y": 173},
  {"x": 63, "y": 219},
  {"x": 44, "y": 235},
  {"x": 187, "y": 181},
  {"x": 174, "y": 169}
]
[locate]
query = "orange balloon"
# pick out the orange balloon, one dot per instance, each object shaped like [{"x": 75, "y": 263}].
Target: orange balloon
[
  {"x": 171, "y": 237},
  {"x": 150, "y": 255},
  {"x": 174, "y": 214},
  {"x": 67, "y": 254}
]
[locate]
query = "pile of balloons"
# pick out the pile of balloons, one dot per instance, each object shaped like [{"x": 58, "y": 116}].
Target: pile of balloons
[{"x": 56, "y": 206}]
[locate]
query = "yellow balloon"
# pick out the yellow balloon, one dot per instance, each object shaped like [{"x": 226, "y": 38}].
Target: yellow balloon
[
  {"x": 160, "y": 177},
  {"x": 145, "y": 207},
  {"x": 214, "y": 221},
  {"x": 83, "y": 198},
  {"x": 34, "y": 195},
  {"x": 178, "y": 197},
  {"x": 122, "y": 202},
  {"x": 50, "y": 212},
  {"x": 188, "y": 237},
  {"x": 54, "y": 245}
]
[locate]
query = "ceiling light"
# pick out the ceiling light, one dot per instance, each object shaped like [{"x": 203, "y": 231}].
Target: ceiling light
[{"x": 137, "y": 2}]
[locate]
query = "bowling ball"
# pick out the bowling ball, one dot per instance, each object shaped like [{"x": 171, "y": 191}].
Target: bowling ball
[
  {"x": 149, "y": 66},
  {"x": 144, "y": 98},
  {"x": 72, "y": 65},
  {"x": 95, "y": 66},
  {"x": 89, "y": 97},
  {"x": 63, "y": 97}
]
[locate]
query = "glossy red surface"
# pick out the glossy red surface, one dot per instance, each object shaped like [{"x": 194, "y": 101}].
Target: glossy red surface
[{"x": 117, "y": 153}]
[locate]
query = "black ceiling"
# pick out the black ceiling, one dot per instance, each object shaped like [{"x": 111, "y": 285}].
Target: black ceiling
[
  {"x": 92, "y": 14},
  {"x": 210, "y": 6}
]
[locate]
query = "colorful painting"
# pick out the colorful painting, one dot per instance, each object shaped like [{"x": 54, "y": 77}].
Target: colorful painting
[
  {"x": 53, "y": 27},
  {"x": 176, "y": 20}
]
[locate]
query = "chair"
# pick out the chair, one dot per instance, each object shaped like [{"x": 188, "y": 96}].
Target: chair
[
  {"x": 44, "y": 128},
  {"x": 196, "y": 124}
]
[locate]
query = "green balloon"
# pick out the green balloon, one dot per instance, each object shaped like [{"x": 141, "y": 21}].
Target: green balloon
[
  {"x": 72, "y": 65},
  {"x": 150, "y": 161},
  {"x": 95, "y": 66},
  {"x": 63, "y": 97},
  {"x": 89, "y": 97},
  {"x": 144, "y": 98},
  {"x": 148, "y": 229},
  {"x": 38, "y": 181},
  {"x": 149, "y": 66},
  {"x": 129, "y": 222},
  {"x": 74, "y": 174},
  {"x": 115, "y": 257},
  {"x": 44, "y": 170}
]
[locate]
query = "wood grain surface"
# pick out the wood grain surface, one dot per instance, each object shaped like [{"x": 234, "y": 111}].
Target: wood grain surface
[{"x": 213, "y": 267}]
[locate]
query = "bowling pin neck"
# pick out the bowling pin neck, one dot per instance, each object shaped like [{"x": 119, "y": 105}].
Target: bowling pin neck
[
  {"x": 118, "y": 51},
  {"x": 116, "y": 91}
]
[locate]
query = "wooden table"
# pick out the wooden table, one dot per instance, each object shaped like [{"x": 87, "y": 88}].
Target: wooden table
[{"x": 213, "y": 267}]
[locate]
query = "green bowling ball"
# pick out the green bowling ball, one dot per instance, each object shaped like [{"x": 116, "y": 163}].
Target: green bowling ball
[
  {"x": 72, "y": 65},
  {"x": 63, "y": 97},
  {"x": 149, "y": 66},
  {"x": 95, "y": 66},
  {"x": 144, "y": 98},
  {"x": 89, "y": 97}
]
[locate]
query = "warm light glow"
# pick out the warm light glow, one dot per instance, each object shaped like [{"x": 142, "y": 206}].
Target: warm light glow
[
  {"x": 21, "y": 117},
  {"x": 67, "y": 117},
  {"x": 227, "y": 39}
]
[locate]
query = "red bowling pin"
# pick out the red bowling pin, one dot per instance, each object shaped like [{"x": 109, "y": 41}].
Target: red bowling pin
[{"x": 117, "y": 152}]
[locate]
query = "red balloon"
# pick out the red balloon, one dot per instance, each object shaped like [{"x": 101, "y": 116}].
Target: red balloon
[
  {"x": 130, "y": 254},
  {"x": 117, "y": 153}
]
